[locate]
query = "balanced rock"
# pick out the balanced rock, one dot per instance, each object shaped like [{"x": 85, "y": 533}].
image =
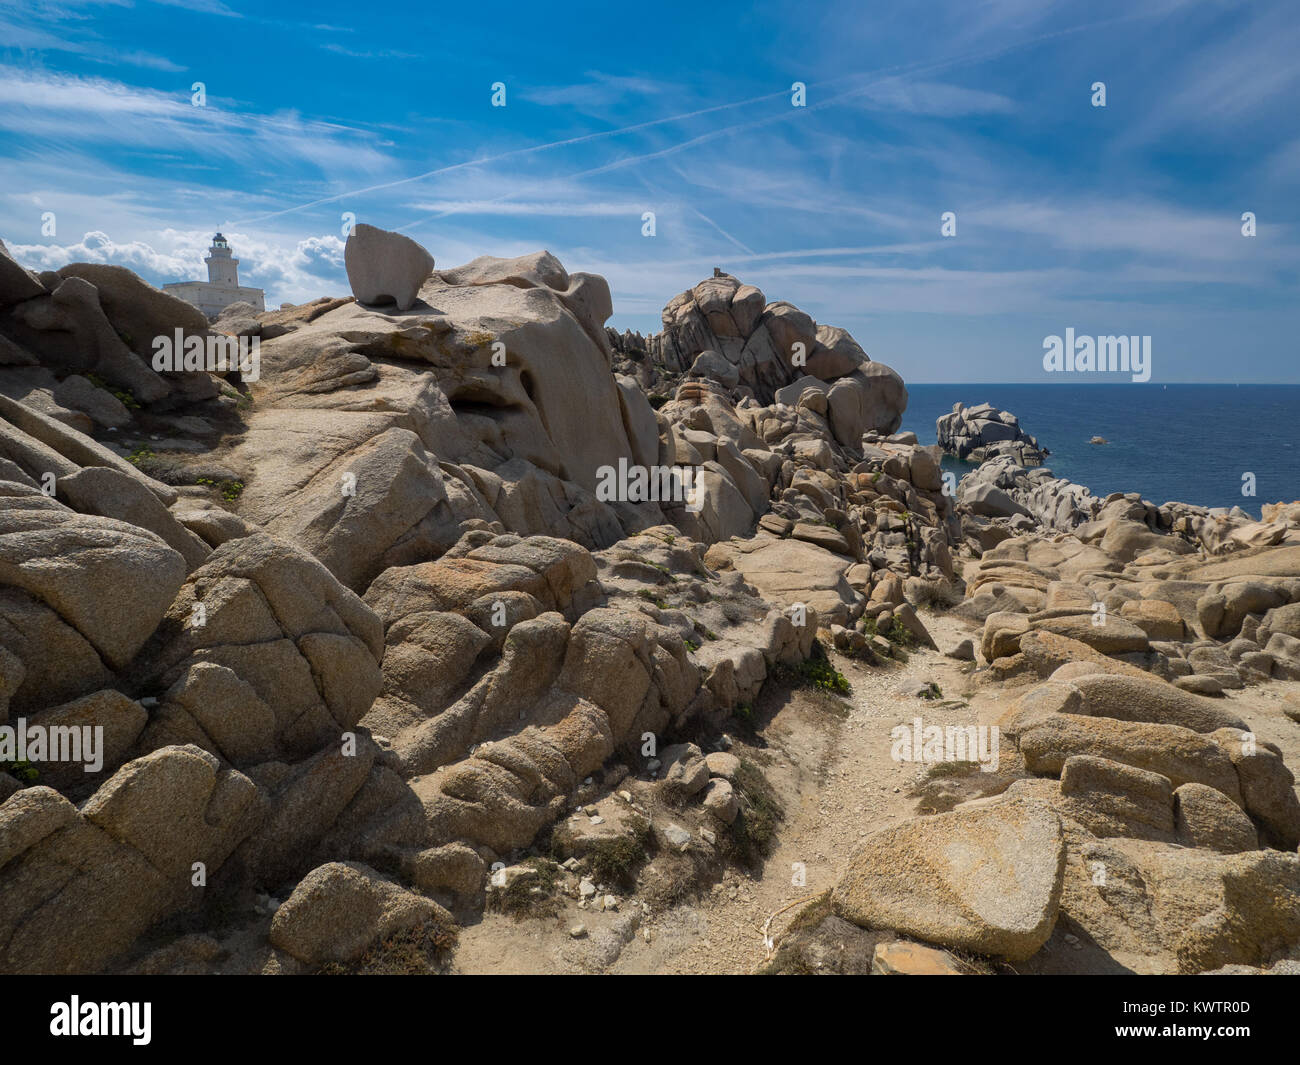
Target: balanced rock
[{"x": 385, "y": 267}]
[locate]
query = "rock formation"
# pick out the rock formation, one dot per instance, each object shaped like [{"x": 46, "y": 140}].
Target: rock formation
[{"x": 984, "y": 432}]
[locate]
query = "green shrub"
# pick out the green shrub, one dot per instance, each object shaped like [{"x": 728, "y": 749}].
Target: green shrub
[
  {"x": 22, "y": 770},
  {"x": 230, "y": 490},
  {"x": 751, "y": 836}
]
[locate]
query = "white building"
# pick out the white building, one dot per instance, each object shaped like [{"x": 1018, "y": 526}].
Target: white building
[{"x": 222, "y": 287}]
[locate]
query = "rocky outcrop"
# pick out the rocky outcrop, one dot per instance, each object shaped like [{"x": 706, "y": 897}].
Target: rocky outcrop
[
  {"x": 983, "y": 432},
  {"x": 728, "y": 332}
]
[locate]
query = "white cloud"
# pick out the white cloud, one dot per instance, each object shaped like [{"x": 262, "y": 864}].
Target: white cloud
[
  {"x": 63, "y": 109},
  {"x": 290, "y": 271}
]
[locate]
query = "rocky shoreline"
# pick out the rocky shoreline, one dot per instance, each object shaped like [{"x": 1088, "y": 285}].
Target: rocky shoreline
[{"x": 371, "y": 652}]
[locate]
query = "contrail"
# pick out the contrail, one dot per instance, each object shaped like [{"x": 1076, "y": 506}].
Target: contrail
[
  {"x": 880, "y": 76},
  {"x": 516, "y": 152}
]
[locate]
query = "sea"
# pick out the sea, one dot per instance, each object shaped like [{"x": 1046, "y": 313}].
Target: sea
[{"x": 1177, "y": 442}]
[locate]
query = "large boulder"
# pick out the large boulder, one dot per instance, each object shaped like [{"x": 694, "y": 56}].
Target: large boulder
[
  {"x": 385, "y": 267},
  {"x": 1172, "y": 751},
  {"x": 1157, "y": 907},
  {"x": 871, "y": 399},
  {"x": 1115, "y": 636},
  {"x": 121, "y": 863},
  {"x": 99, "y": 581},
  {"x": 790, "y": 572},
  {"x": 340, "y": 909},
  {"x": 296, "y": 641},
  {"x": 1131, "y": 698},
  {"x": 986, "y": 880}
]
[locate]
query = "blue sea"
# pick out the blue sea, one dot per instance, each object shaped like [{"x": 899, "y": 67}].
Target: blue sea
[{"x": 1190, "y": 443}]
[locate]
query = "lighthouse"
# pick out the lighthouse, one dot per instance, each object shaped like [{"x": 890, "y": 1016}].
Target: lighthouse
[
  {"x": 223, "y": 268},
  {"x": 222, "y": 288}
]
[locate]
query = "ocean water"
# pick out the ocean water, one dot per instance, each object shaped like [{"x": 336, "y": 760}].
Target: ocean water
[{"x": 1190, "y": 443}]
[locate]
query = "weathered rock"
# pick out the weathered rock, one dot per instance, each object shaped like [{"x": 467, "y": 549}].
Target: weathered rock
[
  {"x": 792, "y": 571},
  {"x": 1267, "y": 785},
  {"x": 1178, "y": 753},
  {"x": 16, "y": 282},
  {"x": 122, "y": 863},
  {"x": 385, "y": 267},
  {"x": 1204, "y": 817},
  {"x": 340, "y": 909},
  {"x": 902, "y": 958},
  {"x": 1130, "y": 698},
  {"x": 987, "y": 880},
  {"x": 1115, "y": 636},
  {"x": 1112, "y": 799},
  {"x": 721, "y": 801},
  {"x": 1158, "y": 619}
]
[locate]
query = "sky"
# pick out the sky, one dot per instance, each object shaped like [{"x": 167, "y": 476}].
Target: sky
[{"x": 1122, "y": 219}]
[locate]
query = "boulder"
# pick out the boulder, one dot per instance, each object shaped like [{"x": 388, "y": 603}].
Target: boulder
[
  {"x": 1267, "y": 786},
  {"x": 122, "y": 863},
  {"x": 340, "y": 909},
  {"x": 711, "y": 364},
  {"x": 1204, "y": 817},
  {"x": 1157, "y": 907},
  {"x": 1114, "y": 636},
  {"x": 1112, "y": 799},
  {"x": 109, "y": 581},
  {"x": 1150, "y": 699},
  {"x": 985, "y": 880},
  {"x": 793, "y": 571},
  {"x": 1178, "y": 753},
  {"x": 1158, "y": 619},
  {"x": 385, "y": 267}
]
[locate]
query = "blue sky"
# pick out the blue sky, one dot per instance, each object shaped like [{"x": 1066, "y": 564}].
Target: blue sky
[{"x": 1124, "y": 219}]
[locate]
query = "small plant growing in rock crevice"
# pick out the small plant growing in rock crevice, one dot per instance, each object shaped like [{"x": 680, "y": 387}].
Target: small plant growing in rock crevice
[
  {"x": 936, "y": 595},
  {"x": 230, "y": 490},
  {"x": 901, "y": 635},
  {"x": 123, "y": 396},
  {"x": 814, "y": 672},
  {"x": 897, "y": 633}
]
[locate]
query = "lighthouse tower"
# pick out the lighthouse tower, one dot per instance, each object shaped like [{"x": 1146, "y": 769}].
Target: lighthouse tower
[
  {"x": 222, "y": 268},
  {"x": 222, "y": 287}
]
